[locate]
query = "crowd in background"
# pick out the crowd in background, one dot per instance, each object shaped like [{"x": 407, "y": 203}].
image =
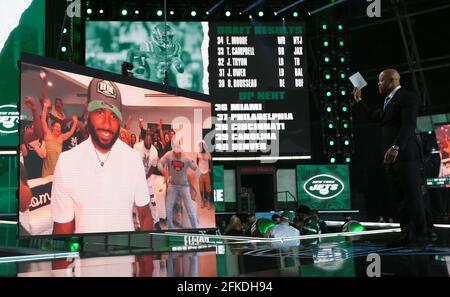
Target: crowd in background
[{"x": 304, "y": 222}]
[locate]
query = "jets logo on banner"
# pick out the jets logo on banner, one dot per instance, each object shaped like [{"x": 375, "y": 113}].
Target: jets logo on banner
[
  {"x": 323, "y": 186},
  {"x": 9, "y": 119}
]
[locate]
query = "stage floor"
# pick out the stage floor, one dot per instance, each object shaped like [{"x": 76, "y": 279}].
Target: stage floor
[{"x": 191, "y": 255}]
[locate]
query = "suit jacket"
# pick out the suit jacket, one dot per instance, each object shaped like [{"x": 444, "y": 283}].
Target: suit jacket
[{"x": 398, "y": 124}]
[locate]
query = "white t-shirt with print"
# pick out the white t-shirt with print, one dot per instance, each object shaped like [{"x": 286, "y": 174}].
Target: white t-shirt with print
[
  {"x": 100, "y": 198},
  {"x": 149, "y": 157}
]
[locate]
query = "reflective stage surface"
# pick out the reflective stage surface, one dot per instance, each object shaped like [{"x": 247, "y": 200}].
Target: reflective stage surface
[{"x": 179, "y": 255}]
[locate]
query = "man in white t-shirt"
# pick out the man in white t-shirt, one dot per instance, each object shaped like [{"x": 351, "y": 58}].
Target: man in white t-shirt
[
  {"x": 204, "y": 162},
  {"x": 149, "y": 156},
  {"x": 288, "y": 235},
  {"x": 284, "y": 229},
  {"x": 98, "y": 182}
]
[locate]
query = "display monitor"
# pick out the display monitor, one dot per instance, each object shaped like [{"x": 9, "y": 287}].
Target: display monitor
[
  {"x": 437, "y": 159},
  {"x": 104, "y": 153},
  {"x": 254, "y": 72}
]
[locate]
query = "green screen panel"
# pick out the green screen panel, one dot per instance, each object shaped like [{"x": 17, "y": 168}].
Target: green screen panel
[
  {"x": 219, "y": 188},
  {"x": 8, "y": 269},
  {"x": 324, "y": 187},
  {"x": 424, "y": 123},
  {"x": 439, "y": 118},
  {"x": 8, "y": 184},
  {"x": 8, "y": 235},
  {"x": 24, "y": 31}
]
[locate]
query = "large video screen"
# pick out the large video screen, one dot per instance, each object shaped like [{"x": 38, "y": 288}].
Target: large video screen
[
  {"x": 438, "y": 164},
  {"x": 100, "y": 154},
  {"x": 255, "y": 73}
]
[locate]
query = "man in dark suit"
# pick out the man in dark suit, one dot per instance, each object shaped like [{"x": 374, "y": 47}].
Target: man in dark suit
[{"x": 402, "y": 158}]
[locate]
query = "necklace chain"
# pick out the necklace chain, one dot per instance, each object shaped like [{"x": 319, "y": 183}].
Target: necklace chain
[{"x": 102, "y": 163}]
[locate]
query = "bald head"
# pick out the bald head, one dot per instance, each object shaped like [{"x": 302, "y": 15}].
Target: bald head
[
  {"x": 388, "y": 80},
  {"x": 392, "y": 74}
]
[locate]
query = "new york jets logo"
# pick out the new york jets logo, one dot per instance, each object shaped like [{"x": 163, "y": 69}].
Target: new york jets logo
[
  {"x": 9, "y": 119},
  {"x": 323, "y": 186}
]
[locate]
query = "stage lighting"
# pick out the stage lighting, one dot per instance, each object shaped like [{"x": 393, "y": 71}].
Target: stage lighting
[
  {"x": 295, "y": 14},
  {"x": 342, "y": 74},
  {"x": 341, "y": 58},
  {"x": 331, "y": 141},
  {"x": 100, "y": 11},
  {"x": 89, "y": 11},
  {"x": 193, "y": 13},
  {"x": 327, "y": 6},
  {"x": 250, "y": 16},
  {"x": 332, "y": 159},
  {"x": 74, "y": 244},
  {"x": 343, "y": 92},
  {"x": 172, "y": 12},
  {"x": 64, "y": 30},
  {"x": 326, "y": 59},
  {"x": 263, "y": 225},
  {"x": 74, "y": 247},
  {"x": 345, "y": 125},
  {"x": 329, "y": 108},
  {"x": 260, "y": 13},
  {"x": 328, "y": 93},
  {"x": 227, "y": 13},
  {"x": 327, "y": 75},
  {"x": 348, "y": 159},
  {"x": 324, "y": 26},
  {"x": 124, "y": 12},
  {"x": 136, "y": 12},
  {"x": 346, "y": 142},
  {"x": 159, "y": 13},
  {"x": 65, "y": 51},
  {"x": 325, "y": 42},
  {"x": 353, "y": 226},
  {"x": 341, "y": 42},
  {"x": 330, "y": 125},
  {"x": 340, "y": 27}
]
